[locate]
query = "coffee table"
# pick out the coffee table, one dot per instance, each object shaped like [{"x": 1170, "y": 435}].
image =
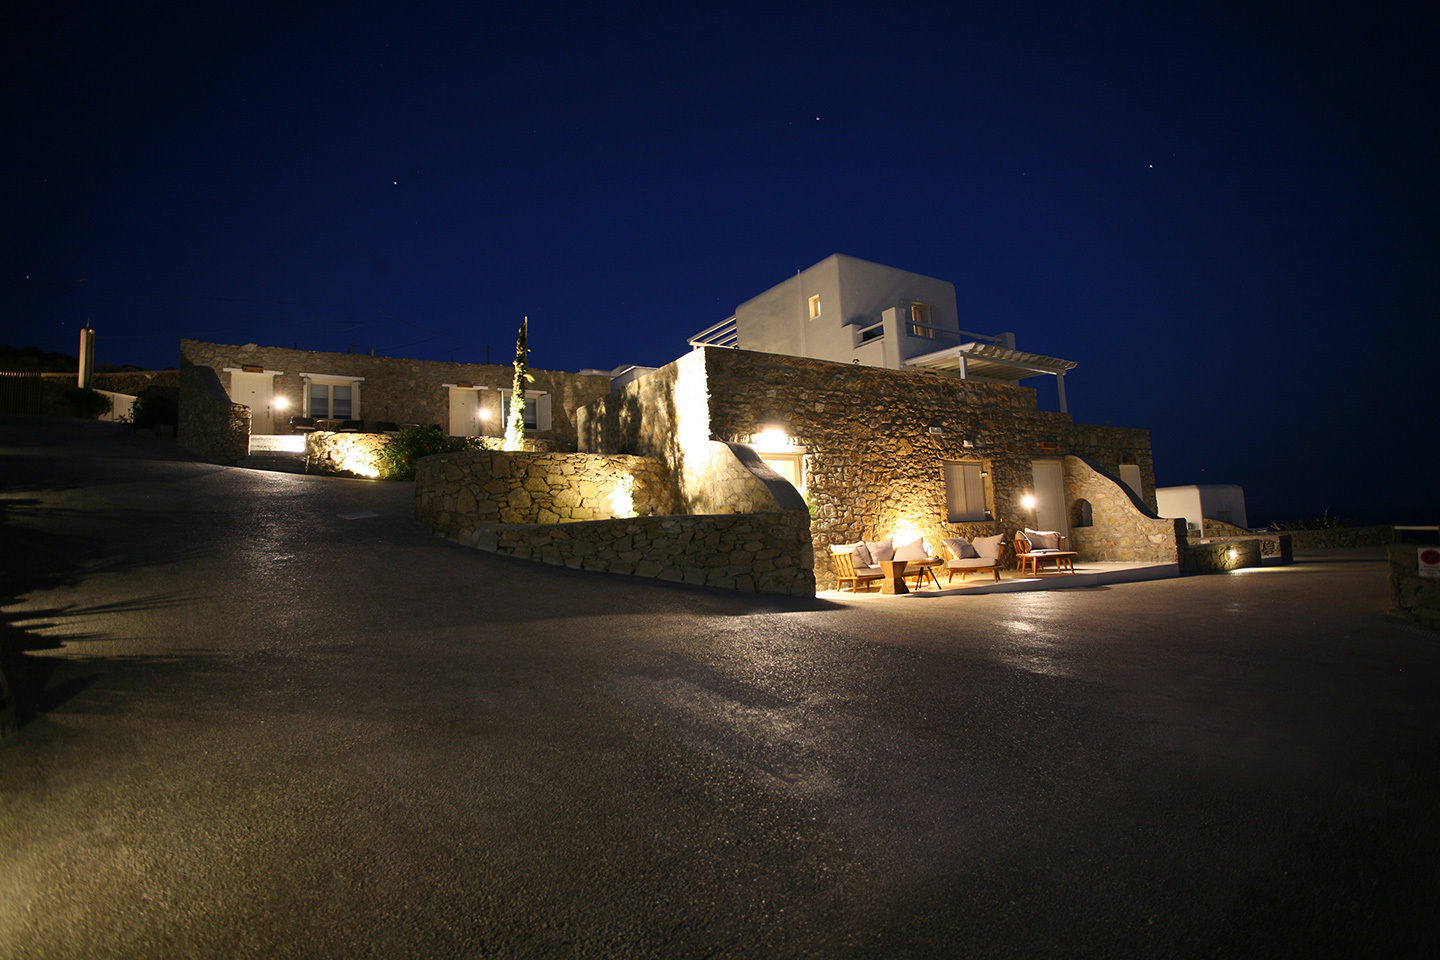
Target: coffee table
[{"x": 1064, "y": 560}]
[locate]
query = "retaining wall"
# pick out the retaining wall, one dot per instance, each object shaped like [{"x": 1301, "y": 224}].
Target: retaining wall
[
  {"x": 457, "y": 492},
  {"x": 211, "y": 427},
  {"x": 760, "y": 552}
]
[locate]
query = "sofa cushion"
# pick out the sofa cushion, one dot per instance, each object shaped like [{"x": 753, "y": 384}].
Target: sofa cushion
[
  {"x": 988, "y": 548},
  {"x": 960, "y": 548},
  {"x": 912, "y": 550},
  {"x": 971, "y": 563},
  {"x": 881, "y": 550},
  {"x": 1042, "y": 539}
]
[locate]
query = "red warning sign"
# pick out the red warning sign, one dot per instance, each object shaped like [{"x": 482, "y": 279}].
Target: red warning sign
[{"x": 1429, "y": 562}]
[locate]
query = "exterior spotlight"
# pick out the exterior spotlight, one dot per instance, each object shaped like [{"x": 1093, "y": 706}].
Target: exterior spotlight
[
  {"x": 483, "y": 413},
  {"x": 1233, "y": 554},
  {"x": 1028, "y": 502},
  {"x": 280, "y": 403},
  {"x": 771, "y": 438}
]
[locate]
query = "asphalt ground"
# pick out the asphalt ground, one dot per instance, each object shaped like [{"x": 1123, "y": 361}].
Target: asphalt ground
[{"x": 268, "y": 715}]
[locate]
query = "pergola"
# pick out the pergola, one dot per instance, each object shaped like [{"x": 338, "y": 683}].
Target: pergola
[{"x": 991, "y": 361}]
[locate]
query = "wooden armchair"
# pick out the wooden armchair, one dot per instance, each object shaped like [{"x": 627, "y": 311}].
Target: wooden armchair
[
  {"x": 846, "y": 571},
  {"x": 969, "y": 565},
  {"x": 1027, "y": 556}
]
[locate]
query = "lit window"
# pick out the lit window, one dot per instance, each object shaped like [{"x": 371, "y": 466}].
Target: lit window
[
  {"x": 815, "y": 306},
  {"x": 920, "y": 321}
]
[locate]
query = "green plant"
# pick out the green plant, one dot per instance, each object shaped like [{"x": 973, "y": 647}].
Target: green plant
[
  {"x": 156, "y": 405},
  {"x": 402, "y": 451},
  {"x": 515, "y": 422},
  {"x": 86, "y": 404}
]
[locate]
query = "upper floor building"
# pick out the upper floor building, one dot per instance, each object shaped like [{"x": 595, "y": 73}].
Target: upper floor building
[{"x": 850, "y": 310}]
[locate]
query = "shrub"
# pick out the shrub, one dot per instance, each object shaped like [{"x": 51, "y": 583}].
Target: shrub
[
  {"x": 156, "y": 405},
  {"x": 85, "y": 403},
  {"x": 400, "y": 454}
]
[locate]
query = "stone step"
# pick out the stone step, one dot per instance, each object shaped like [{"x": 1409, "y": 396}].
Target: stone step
[{"x": 276, "y": 462}]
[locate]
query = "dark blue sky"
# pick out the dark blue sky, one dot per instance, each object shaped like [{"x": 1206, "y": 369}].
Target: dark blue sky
[{"x": 1226, "y": 213}]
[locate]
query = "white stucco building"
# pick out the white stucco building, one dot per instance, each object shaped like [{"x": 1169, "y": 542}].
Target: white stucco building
[{"x": 850, "y": 310}]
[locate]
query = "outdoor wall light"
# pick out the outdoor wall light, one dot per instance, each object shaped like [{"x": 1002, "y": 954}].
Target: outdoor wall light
[
  {"x": 770, "y": 438},
  {"x": 1028, "y": 502},
  {"x": 483, "y": 413},
  {"x": 280, "y": 403},
  {"x": 1233, "y": 554}
]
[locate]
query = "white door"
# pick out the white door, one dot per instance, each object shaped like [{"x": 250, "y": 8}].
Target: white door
[
  {"x": 464, "y": 412},
  {"x": 256, "y": 391},
  {"x": 1049, "y": 478}
]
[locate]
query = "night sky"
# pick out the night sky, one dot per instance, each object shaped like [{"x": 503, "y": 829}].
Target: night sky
[{"x": 1227, "y": 214}]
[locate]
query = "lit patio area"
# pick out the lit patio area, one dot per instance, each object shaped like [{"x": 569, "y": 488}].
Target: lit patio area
[{"x": 1087, "y": 574}]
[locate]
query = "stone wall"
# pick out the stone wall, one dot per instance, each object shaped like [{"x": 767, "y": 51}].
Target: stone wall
[
  {"x": 872, "y": 466},
  {"x": 345, "y": 454},
  {"x": 1414, "y": 596},
  {"x": 211, "y": 427},
  {"x": 1119, "y": 528},
  {"x": 455, "y": 493},
  {"x": 1342, "y": 538},
  {"x": 1219, "y": 556},
  {"x": 1272, "y": 543},
  {"x": 397, "y": 389},
  {"x": 764, "y": 552}
]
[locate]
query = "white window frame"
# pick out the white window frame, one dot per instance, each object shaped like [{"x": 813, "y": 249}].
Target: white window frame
[
  {"x": 814, "y": 306},
  {"x": 330, "y": 381},
  {"x": 543, "y": 419}
]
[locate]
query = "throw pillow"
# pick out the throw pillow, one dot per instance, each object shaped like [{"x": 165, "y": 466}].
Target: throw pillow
[
  {"x": 960, "y": 548},
  {"x": 914, "y": 550},
  {"x": 882, "y": 550},
  {"x": 1043, "y": 539},
  {"x": 862, "y": 555},
  {"x": 988, "y": 548}
]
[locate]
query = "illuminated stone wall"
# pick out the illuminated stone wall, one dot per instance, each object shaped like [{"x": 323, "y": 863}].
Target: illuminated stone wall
[
  {"x": 873, "y": 468},
  {"x": 1119, "y": 530},
  {"x": 345, "y": 454},
  {"x": 456, "y": 493},
  {"x": 397, "y": 389},
  {"x": 211, "y": 427},
  {"x": 1219, "y": 556},
  {"x": 761, "y": 552}
]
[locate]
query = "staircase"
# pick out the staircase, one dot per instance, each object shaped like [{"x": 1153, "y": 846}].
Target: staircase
[{"x": 280, "y": 453}]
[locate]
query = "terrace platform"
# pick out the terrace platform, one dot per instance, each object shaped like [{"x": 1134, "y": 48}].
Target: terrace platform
[{"x": 1087, "y": 574}]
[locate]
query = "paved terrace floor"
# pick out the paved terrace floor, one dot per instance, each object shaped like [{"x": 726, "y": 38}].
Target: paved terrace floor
[{"x": 272, "y": 717}]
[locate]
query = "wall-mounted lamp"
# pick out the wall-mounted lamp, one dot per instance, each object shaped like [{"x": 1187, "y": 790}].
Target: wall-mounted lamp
[
  {"x": 969, "y": 444},
  {"x": 483, "y": 413},
  {"x": 1233, "y": 554},
  {"x": 940, "y": 432},
  {"x": 1028, "y": 502},
  {"x": 280, "y": 403},
  {"x": 770, "y": 438}
]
